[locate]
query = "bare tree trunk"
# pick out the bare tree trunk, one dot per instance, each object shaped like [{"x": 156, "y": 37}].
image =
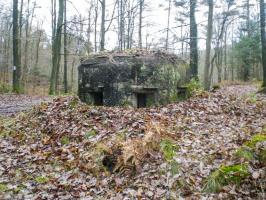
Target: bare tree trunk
[
  {"x": 121, "y": 24},
  {"x": 20, "y": 25},
  {"x": 72, "y": 74},
  {"x": 54, "y": 17},
  {"x": 8, "y": 57},
  {"x": 168, "y": 25},
  {"x": 248, "y": 18},
  {"x": 89, "y": 30},
  {"x": 129, "y": 18},
  {"x": 65, "y": 50},
  {"x": 130, "y": 24},
  {"x": 56, "y": 51},
  {"x": 26, "y": 57},
  {"x": 208, "y": 46},
  {"x": 193, "y": 41},
  {"x": 219, "y": 64},
  {"x": 102, "y": 42},
  {"x": 263, "y": 39},
  {"x": 182, "y": 41},
  {"x": 6, "y": 54},
  {"x": 220, "y": 37},
  {"x": 2, "y": 49},
  {"x": 37, "y": 60},
  {"x": 225, "y": 57},
  {"x": 16, "y": 58},
  {"x": 95, "y": 27},
  {"x": 141, "y": 3}
]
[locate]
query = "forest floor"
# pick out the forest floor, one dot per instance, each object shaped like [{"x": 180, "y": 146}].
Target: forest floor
[
  {"x": 211, "y": 146},
  {"x": 11, "y": 104}
]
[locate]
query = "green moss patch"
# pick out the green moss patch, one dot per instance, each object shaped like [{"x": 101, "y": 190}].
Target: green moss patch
[
  {"x": 90, "y": 134},
  {"x": 41, "y": 179},
  {"x": 255, "y": 139},
  {"x": 3, "y": 188},
  {"x": 65, "y": 140}
]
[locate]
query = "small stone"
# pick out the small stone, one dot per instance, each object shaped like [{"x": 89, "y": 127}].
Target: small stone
[
  {"x": 255, "y": 175},
  {"x": 140, "y": 191},
  {"x": 149, "y": 193}
]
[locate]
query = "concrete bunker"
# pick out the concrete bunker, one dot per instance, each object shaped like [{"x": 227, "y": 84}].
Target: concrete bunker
[{"x": 136, "y": 78}]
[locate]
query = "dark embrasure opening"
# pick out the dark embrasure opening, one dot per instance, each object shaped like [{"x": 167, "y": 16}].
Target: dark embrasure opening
[
  {"x": 97, "y": 98},
  {"x": 141, "y": 100}
]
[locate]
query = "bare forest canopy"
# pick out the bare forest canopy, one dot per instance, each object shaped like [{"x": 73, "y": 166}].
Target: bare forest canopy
[{"x": 43, "y": 42}]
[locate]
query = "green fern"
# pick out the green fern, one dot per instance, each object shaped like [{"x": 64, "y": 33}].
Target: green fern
[
  {"x": 225, "y": 175},
  {"x": 168, "y": 148},
  {"x": 245, "y": 153}
]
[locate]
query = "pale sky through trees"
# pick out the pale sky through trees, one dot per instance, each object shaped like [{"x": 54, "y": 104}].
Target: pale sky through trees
[{"x": 155, "y": 20}]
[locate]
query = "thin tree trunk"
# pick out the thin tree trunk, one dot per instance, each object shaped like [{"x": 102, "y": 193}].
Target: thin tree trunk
[
  {"x": 248, "y": 18},
  {"x": 182, "y": 41},
  {"x": 263, "y": 39},
  {"x": 168, "y": 25},
  {"x": 8, "y": 57},
  {"x": 219, "y": 63},
  {"x": 121, "y": 25},
  {"x": 37, "y": 60},
  {"x": 56, "y": 51},
  {"x": 72, "y": 74},
  {"x": 102, "y": 42},
  {"x": 225, "y": 57},
  {"x": 208, "y": 47},
  {"x": 89, "y": 30},
  {"x": 141, "y": 3},
  {"x": 193, "y": 41},
  {"x": 95, "y": 27},
  {"x": 16, "y": 59},
  {"x": 20, "y": 25},
  {"x": 65, "y": 50},
  {"x": 26, "y": 57}
]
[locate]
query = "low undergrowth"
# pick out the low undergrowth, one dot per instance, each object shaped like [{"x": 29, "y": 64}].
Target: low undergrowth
[
  {"x": 5, "y": 88},
  {"x": 251, "y": 155},
  {"x": 225, "y": 175}
]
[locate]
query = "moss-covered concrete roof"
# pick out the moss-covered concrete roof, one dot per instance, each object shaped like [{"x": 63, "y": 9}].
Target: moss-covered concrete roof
[{"x": 133, "y": 55}]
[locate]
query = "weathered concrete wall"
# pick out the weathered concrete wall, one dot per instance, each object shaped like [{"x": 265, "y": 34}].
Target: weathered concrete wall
[{"x": 120, "y": 78}]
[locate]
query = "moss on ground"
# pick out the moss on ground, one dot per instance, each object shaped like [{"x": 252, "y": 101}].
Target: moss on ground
[
  {"x": 3, "y": 187},
  {"x": 41, "y": 179},
  {"x": 255, "y": 139}
]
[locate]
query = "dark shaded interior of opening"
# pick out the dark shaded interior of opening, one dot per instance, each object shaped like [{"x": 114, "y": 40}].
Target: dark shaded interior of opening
[
  {"x": 97, "y": 98},
  {"x": 141, "y": 100}
]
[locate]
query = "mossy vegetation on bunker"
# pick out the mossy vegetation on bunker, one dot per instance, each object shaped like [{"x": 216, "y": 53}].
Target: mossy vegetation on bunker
[{"x": 136, "y": 78}]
